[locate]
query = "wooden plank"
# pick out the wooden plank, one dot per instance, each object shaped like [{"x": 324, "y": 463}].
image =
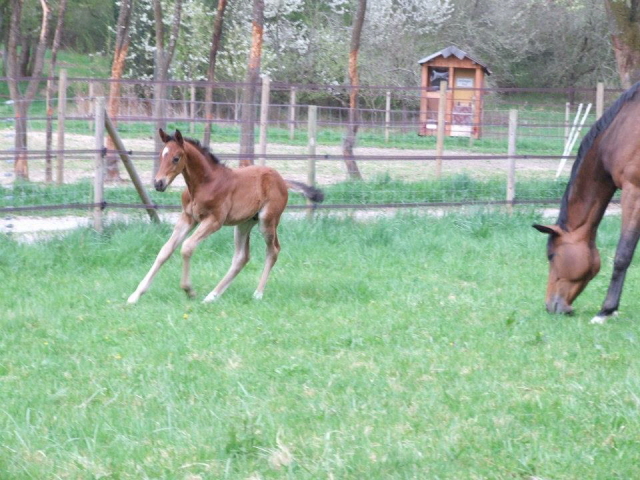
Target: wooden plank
[{"x": 128, "y": 164}]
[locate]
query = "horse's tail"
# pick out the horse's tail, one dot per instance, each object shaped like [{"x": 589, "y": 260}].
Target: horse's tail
[{"x": 314, "y": 194}]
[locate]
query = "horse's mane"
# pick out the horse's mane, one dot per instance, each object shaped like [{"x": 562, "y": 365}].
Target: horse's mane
[
  {"x": 203, "y": 150},
  {"x": 587, "y": 142}
]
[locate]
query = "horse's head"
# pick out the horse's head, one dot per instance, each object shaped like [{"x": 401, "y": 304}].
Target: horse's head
[
  {"x": 573, "y": 261},
  {"x": 172, "y": 160}
]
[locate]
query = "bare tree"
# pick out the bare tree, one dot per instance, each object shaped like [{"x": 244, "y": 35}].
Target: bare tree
[
  {"x": 50, "y": 87},
  {"x": 163, "y": 58},
  {"x": 247, "y": 141},
  {"x": 123, "y": 39},
  {"x": 352, "y": 126},
  {"x": 213, "y": 53},
  {"x": 21, "y": 102},
  {"x": 624, "y": 17}
]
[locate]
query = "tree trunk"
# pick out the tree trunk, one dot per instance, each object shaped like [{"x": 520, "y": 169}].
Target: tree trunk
[
  {"x": 247, "y": 141},
  {"x": 117, "y": 68},
  {"x": 50, "y": 88},
  {"x": 21, "y": 165},
  {"x": 21, "y": 102},
  {"x": 624, "y": 17},
  {"x": 352, "y": 127},
  {"x": 162, "y": 63},
  {"x": 213, "y": 53}
]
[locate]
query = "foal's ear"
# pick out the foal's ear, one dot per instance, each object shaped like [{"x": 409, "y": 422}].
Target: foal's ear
[
  {"x": 163, "y": 136},
  {"x": 179, "y": 139},
  {"x": 548, "y": 229}
]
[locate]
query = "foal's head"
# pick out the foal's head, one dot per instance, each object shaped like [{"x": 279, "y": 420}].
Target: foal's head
[
  {"x": 573, "y": 261},
  {"x": 172, "y": 160}
]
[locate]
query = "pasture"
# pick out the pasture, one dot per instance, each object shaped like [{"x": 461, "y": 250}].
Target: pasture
[{"x": 401, "y": 347}]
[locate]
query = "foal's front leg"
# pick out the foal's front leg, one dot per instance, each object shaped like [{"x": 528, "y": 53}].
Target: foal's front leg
[
  {"x": 180, "y": 231},
  {"x": 206, "y": 228}
]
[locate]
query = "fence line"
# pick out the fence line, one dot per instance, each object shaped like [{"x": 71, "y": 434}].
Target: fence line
[{"x": 501, "y": 168}]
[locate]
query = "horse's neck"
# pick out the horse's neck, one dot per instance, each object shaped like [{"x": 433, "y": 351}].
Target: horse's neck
[
  {"x": 589, "y": 195},
  {"x": 198, "y": 170}
]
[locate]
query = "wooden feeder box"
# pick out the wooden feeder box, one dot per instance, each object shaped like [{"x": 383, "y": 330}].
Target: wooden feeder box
[{"x": 465, "y": 82}]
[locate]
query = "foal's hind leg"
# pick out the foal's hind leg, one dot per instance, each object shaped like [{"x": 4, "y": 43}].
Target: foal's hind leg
[
  {"x": 180, "y": 231},
  {"x": 240, "y": 259},
  {"x": 269, "y": 231}
]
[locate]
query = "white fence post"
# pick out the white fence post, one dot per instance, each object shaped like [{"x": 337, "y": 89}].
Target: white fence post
[
  {"x": 511, "y": 153},
  {"x": 311, "y": 166},
  {"x": 62, "y": 109},
  {"x": 264, "y": 119},
  {"x": 599, "y": 100},
  {"x": 442, "y": 107},
  {"x": 387, "y": 117},
  {"x": 292, "y": 114}
]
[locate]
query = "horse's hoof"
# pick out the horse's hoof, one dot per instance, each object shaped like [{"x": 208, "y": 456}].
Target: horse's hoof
[
  {"x": 602, "y": 319},
  {"x": 212, "y": 297},
  {"x": 133, "y": 299},
  {"x": 257, "y": 295}
]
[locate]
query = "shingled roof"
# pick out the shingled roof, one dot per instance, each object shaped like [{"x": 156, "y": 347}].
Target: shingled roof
[{"x": 455, "y": 51}]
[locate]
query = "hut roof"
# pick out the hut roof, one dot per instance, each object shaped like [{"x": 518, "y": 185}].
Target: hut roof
[{"x": 455, "y": 51}]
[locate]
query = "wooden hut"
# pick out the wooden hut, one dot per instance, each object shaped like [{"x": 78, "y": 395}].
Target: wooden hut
[{"x": 465, "y": 80}]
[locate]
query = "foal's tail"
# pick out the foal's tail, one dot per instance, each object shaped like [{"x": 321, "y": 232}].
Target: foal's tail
[{"x": 314, "y": 194}]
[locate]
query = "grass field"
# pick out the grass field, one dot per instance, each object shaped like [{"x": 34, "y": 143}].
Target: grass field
[{"x": 404, "y": 347}]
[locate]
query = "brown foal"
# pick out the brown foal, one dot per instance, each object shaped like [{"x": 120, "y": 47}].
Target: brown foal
[{"x": 215, "y": 196}]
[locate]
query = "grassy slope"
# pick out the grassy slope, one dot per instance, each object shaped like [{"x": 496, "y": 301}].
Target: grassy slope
[{"x": 409, "y": 347}]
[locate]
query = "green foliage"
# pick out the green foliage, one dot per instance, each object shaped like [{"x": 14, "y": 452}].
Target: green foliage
[{"x": 404, "y": 347}]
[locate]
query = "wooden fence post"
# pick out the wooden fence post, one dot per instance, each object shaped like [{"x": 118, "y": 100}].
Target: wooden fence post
[
  {"x": 599, "y": 100},
  {"x": 192, "y": 127},
  {"x": 511, "y": 152},
  {"x": 98, "y": 181},
  {"x": 442, "y": 105},
  {"x": 387, "y": 117},
  {"x": 92, "y": 94},
  {"x": 62, "y": 109},
  {"x": 264, "y": 120},
  {"x": 292, "y": 113},
  {"x": 128, "y": 164},
  {"x": 311, "y": 166}
]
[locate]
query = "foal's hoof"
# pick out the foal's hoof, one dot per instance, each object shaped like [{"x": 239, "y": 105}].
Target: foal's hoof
[
  {"x": 257, "y": 295},
  {"x": 133, "y": 299},
  {"x": 190, "y": 292},
  {"x": 212, "y": 297}
]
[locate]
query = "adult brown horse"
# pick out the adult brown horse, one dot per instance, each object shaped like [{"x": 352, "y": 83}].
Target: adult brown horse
[
  {"x": 608, "y": 159},
  {"x": 215, "y": 196}
]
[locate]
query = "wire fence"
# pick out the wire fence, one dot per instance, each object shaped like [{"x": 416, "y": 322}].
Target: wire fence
[{"x": 399, "y": 166}]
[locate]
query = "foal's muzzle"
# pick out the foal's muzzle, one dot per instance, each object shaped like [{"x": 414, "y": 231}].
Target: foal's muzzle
[{"x": 161, "y": 185}]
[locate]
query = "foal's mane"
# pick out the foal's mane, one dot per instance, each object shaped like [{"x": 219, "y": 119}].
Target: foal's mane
[
  {"x": 203, "y": 150},
  {"x": 587, "y": 142}
]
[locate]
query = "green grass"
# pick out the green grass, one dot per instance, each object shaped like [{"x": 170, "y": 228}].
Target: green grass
[
  {"x": 405, "y": 347},
  {"x": 459, "y": 188}
]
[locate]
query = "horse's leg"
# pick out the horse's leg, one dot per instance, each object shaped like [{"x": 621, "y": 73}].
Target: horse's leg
[
  {"x": 240, "y": 259},
  {"x": 180, "y": 231},
  {"x": 269, "y": 227},
  {"x": 206, "y": 228},
  {"x": 630, "y": 202}
]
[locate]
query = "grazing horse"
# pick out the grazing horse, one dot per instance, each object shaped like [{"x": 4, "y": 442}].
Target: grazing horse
[
  {"x": 608, "y": 159},
  {"x": 215, "y": 196}
]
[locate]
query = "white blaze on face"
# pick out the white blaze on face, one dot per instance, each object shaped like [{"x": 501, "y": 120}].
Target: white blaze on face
[{"x": 165, "y": 152}]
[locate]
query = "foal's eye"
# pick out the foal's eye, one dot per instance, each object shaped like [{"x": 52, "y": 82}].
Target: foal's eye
[
  {"x": 176, "y": 159},
  {"x": 550, "y": 256}
]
